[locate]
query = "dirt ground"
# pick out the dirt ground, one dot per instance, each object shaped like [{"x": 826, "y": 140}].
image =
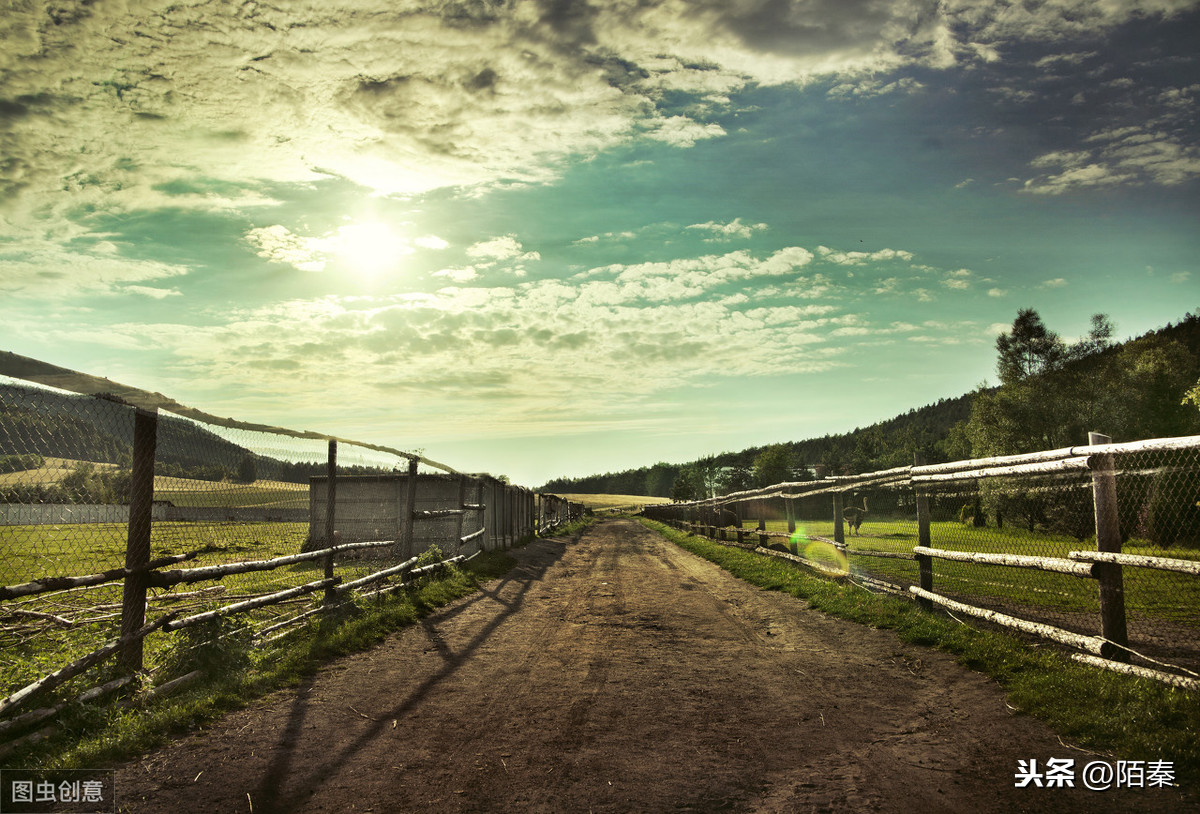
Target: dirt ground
[{"x": 616, "y": 672}]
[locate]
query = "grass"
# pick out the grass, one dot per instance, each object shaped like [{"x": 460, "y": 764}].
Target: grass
[
  {"x": 1150, "y": 594},
  {"x": 95, "y": 735},
  {"x": 1130, "y": 718}
]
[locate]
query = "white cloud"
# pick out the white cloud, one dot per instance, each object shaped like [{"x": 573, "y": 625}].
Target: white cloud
[
  {"x": 728, "y": 231},
  {"x": 843, "y": 258},
  {"x": 280, "y": 245},
  {"x": 1057, "y": 282},
  {"x": 680, "y": 131}
]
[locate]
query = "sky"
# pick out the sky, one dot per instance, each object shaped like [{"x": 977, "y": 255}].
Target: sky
[{"x": 546, "y": 238}]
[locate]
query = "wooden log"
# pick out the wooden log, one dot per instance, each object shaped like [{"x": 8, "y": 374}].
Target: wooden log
[
  {"x": 169, "y": 578},
  {"x": 1141, "y": 672},
  {"x": 164, "y": 579},
  {"x": 1143, "y": 561},
  {"x": 80, "y": 665},
  {"x": 434, "y": 514},
  {"x": 27, "y": 740},
  {"x": 44, "y": 584},
  {"x": 1054, "y": 564},
  {"x": 890, "y": 555},
  {"x": 1092, "y": 644},
  {"x": 172, "y": 686},
  {"x": 251, "y": 604},
  {"x": 473, "y": 535},
  {"x": 375, "y": 577},
  {"x": 821, "y": 568},
  {"x": 1055, "y": 467}
]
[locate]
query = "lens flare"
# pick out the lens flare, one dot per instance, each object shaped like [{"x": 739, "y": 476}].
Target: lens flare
[
  {"x": 827, "y": 559},
  {"x": 798, "y": 540}
]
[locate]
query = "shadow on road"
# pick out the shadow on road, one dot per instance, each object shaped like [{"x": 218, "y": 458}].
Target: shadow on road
[{"x": 537, "y": 559}]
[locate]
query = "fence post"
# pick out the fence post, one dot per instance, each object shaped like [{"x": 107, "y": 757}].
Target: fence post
[
  {"x": 462, "y": 518},
  {"x": 839, "y": 536},
  {"x": 408, "y": 519},
  {"x": 137, "y": 545},
  {"x": 1108, "y": 538},
  {"x": 789, "y": 507},
  {"x": 330, "y": 518},
  {"x": 741, "y": 529},
  {"x": 924, "y": 538}
]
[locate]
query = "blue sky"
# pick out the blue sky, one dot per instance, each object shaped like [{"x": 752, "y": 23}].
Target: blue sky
[{"x": 561, "y": 237}]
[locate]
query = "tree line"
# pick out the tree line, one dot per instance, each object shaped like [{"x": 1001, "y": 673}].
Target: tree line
[{"x": 1051, "y": 393}]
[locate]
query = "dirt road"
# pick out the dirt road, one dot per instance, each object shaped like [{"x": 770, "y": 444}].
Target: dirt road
[{"x": 617, "y": 672}]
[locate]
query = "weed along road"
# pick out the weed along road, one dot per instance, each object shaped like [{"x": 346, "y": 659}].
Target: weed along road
[{"x": 617, "y": 672}]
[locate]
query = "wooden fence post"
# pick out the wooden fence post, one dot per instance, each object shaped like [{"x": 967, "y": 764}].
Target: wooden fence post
[
  {"x": 924, "y": 538},
  {"x": 789, "y": 508},
  {"x": 1108, "y": 538},
  {"x": 137, "y": 545},
  {"x": 462, "y": 518},
  {"x": 408, "y": 518},
  {"x": 330, "y": 517},
  {"x": 839, "y": 536},
  {"x": 762, "y": 531}
]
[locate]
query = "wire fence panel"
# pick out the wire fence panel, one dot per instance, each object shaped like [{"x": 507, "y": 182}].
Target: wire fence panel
[
  {"x": 65, "y": 489},
  {"x": 112, "y": 516},
  {"x": 1073, "y": 539}
]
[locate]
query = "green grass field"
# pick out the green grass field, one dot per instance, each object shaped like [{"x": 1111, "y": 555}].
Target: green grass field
[
  {"x": 1150, "y": 594},
  {"x": 31, "y": 552}
]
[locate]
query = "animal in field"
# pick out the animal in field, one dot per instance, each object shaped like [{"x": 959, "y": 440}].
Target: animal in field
[{"x": 853, "y": 515}]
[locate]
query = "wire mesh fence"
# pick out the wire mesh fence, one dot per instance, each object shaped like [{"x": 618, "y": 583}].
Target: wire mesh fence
[
  {"x": 111, "y": 516},
  {"x": 1098, "y": 546}
]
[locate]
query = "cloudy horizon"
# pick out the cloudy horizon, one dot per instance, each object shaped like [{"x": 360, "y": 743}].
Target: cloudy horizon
[{"x": 552, "y": 238}]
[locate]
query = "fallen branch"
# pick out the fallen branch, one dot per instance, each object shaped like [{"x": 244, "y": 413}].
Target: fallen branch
[
  {"x": 241, "y": 607},
  {"x": 81, "y": 665}
]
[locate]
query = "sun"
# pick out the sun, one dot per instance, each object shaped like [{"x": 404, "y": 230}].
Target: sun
[{"x": 368, "y": 249}]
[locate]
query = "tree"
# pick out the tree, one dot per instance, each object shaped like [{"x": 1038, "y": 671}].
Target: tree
[
  {"x": 773, "y": 465},
  {"x": 247, "y": 471},
  {"x": 686, "y": 485},
  {"x": 1030, "y": 349}
]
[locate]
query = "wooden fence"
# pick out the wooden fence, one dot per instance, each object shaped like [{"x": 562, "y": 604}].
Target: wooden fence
[
  {"x": 464, "y": 515},
  {"x": 724, "y": 519}
]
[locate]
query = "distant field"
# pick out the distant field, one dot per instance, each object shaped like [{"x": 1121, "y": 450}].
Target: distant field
[
  {"x": 261, "y": 493},
  {"x": 180, "y": 491},
  {"x": 52, "y": 470},
  {"x": 609, "y": 502}
]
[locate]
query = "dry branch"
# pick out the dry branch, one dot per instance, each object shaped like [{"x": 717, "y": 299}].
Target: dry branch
[
  {"x": 80, "y": 665},
  {"x": 1055, "y": 564},
  {"x": 375, "y": 577},
  {"x": 251, "y": 604},
  {"x": 1092, "y": 644},
  {"x": 38, "y": 715}
]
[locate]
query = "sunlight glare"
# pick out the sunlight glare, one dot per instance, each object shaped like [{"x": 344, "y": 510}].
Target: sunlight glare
[{"x": 370, "y": 248}]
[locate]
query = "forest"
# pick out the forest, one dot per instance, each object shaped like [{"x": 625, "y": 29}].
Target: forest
[{"x": 1050, "y": 395}]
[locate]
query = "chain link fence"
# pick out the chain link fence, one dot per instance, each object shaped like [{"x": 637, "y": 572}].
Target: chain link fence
[
  {"x": 112, "y": 516},
  {"x": 1015, "y": 539}
]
